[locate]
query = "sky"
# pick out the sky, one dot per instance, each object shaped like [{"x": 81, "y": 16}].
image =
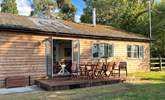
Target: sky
[
  {"x": 80, "y": 6},
  {"x": 24, "y": 7}
]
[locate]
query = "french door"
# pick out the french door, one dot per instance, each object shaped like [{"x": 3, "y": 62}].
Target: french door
[
  {"x": 49, "y": 57},
  {"x": 75, "y": 54}
]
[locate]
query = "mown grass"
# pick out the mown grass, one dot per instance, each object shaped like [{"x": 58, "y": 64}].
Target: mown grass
[
  {"x": 158, "y": 77},
  {"x": 151, "y": 87}
]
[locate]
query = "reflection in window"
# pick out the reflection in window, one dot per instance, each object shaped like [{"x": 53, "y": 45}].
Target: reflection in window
[
  {"x": 102, "y": 50},
  {"x": 135, "y": 51}
]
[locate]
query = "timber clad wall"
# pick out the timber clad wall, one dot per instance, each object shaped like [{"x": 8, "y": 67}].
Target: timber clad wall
[
  {"x": 120, "y": 53},
  {"x": 21, "y": 55}
]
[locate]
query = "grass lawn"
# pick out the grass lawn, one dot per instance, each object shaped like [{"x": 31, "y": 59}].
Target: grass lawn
[{"x": 151, "y": 87}]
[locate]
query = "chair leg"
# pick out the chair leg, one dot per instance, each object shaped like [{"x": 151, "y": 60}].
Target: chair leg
[
  {"x": 119, "y": 72},
  {"x": 126, "y": 72},
  {"x": 112, "y": 72}
]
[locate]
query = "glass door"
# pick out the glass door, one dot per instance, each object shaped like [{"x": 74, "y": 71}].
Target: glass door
[
  {"x": 75, "y": 54},
  {"x": 49, "y": 57}
]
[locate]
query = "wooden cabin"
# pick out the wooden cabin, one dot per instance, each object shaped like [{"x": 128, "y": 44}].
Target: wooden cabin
[{"x": 32, "y": 46}]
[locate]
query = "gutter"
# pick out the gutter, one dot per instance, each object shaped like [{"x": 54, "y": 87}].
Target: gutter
[{"x": 71, "y": 35}]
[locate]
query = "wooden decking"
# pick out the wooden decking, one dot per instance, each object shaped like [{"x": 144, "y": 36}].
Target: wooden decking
[{"x": 57, "y": 84}]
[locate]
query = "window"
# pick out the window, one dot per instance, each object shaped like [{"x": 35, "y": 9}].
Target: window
[
  {"x": 102, "y": 50},
  {"x": 95, "y": 50},
  {"x": 135, "y": 51},
  {"x": 141, "y": 52}
]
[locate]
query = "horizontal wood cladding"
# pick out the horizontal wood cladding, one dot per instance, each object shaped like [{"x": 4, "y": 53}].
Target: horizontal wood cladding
[
  {"x": 22, "y": 59},
  {"x": 15, "y": 48},
  {"x": 21, "y": 71},
  {"x": 23, "y": 47},
  {"x": 12, "y": 52},
  {"x": 120, "y": 53},
  {"x": 20, "y": 36},
  {"x": 21, "y": 55},
  {"x": 33, "y": 75}
]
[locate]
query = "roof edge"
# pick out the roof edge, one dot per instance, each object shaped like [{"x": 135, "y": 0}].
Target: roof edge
[{"x": 74, "y": 35}]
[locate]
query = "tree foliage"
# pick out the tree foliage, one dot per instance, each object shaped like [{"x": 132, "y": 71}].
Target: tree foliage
[
  {"x": 67, "y": 9},
  {"x": 9, "y": 6},
  {"x": 132, "y": 16},
  {"x": 119, "y": 13},
  {"x": 158, "y": 27},
  {"x": 43, "y": 7},
  {"x": 47, "y": 7}
]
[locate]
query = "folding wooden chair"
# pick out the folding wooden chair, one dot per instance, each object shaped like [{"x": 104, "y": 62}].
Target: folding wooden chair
[
  {"x": 110, "y": 67},
  {"x": 121, "y": 66},
  {"x": 99, "y": 70}
]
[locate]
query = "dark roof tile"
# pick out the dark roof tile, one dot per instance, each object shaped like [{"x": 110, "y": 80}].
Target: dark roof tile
[{"x": 60, "y": 26}]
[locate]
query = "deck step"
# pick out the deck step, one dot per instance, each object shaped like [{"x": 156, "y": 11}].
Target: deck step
[{"x": 53, "y": 85}]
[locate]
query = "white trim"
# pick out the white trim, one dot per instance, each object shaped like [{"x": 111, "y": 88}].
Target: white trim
[
  {"x": 72, "y": 52},
  {"x": 59, "y": 38},
  {"x": 52, "y": 54},
  {"x": 135, "y": 58},
  {"x": 99, "y": 50},
  {"x": 78, "y": 52}
]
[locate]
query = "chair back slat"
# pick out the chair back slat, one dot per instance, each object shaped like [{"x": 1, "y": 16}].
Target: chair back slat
[
  {"x": 110, "y": 66},
  {"x": 123, "y": 65}
]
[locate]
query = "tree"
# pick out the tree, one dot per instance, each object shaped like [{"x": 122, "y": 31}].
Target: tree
[
  {"x": 47, "y": 7},
  {"x": 132, "y": 16},
  {"x": 43, "y": 7},
  {"x": 9, "y": 6},
  {"x": 118, "y": 13},
  {"x": 67, "y": 9},
  {"x": 158, "y": 27}
]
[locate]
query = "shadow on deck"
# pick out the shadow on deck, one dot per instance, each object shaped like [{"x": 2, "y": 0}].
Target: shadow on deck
[{"x": 68, "y": 83}]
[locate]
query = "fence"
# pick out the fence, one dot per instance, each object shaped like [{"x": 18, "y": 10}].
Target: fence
[{"x": 157, "y": 63}]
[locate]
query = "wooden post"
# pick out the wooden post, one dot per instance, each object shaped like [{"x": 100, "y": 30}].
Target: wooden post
[
  {"x": 150, "y": 63},
  {"x": 160, "y": 63}
]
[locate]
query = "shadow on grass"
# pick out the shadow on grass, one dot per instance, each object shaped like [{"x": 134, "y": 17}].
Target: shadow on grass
[
  {"x": 154, "y": 89},
  {"x": 143, "y": 92},
  {"x": 134, "y": 92},
  {"x": 154, "y": 79},
  {"x": 154, "y": 76},
  {"x": 158, "y": 78}
]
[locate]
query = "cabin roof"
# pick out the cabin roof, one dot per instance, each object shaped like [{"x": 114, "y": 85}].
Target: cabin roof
[{"x": 53, "y": 26}]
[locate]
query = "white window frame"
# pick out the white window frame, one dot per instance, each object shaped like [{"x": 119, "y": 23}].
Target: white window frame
[
  {"x": 139, "y": 51},
  {"x": 97, "y": 49},
  {"x": 101, "y": 46}
]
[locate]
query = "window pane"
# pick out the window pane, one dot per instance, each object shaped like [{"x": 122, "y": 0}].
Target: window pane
[
  {"x": 141, "y": 52},
  {"x": 95, "y": 50},
  {"x": 136, "y": 51},
  {"x": 101, "y": 50},
  {"x": 129, "y": 51},
  {"x": 128, "y": 48},
  {"x": 129, "y": 54},
  {"x": 135, "y": 54},
  {"x": 110, "y": 51},
  {"x": 106, "y": 50}
]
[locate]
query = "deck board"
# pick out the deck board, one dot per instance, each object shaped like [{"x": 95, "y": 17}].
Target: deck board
[{"x": 54, "y": 84}]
